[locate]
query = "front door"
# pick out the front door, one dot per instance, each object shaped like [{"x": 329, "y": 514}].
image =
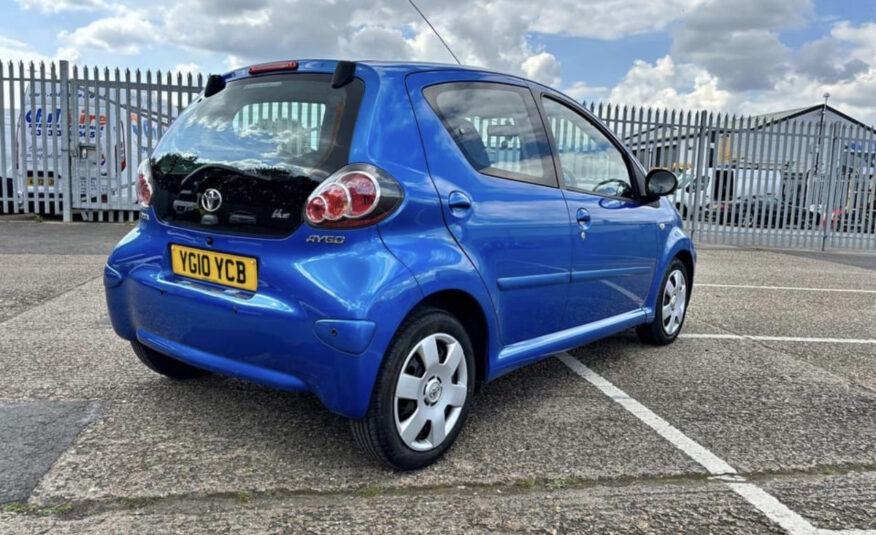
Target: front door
[
  {"x": 614, "y": 237},
  {"x": 490, "y": 161}
]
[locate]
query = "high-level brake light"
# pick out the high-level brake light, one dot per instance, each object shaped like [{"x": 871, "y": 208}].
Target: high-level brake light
[{"x": 273, "y": 66}]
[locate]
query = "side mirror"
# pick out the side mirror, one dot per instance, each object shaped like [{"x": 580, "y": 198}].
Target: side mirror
[{"x": 660, "y": 182}]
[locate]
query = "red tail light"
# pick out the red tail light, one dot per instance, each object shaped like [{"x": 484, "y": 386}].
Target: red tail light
[
  {"x": 144, "y": 184},
  {"x": 337, "y": 201},
  {"x": 356, "y": 196},
  {"x": 363, "y": 193}
]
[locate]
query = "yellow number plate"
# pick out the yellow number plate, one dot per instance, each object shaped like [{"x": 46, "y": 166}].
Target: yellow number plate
[{"x": 221, "y": 268}]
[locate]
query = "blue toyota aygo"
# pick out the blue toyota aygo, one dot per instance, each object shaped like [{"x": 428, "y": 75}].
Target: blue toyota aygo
[{"x": 389, "y": 237}]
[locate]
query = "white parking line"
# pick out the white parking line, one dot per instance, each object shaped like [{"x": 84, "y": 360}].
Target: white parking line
[
  {"x": 775, "y": 510},
  {"x": 712, "y": 463},
  {"x": 763, "y": 501},
  {"x": 789, "y": 288},
  {"x": 729, "y": 336}
]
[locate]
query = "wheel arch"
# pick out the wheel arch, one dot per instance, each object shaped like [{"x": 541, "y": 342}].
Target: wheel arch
[
  {"x": 677, "y": 245},
  {"x": 469, "y": 311},
  {"x": 687, "y": 259}
]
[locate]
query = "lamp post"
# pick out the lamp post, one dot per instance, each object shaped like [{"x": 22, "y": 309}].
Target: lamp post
[
  {"x": 820, "y": 132},
  {"x": 828, "y": 209}
]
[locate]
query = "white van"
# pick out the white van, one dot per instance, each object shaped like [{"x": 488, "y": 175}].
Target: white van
[
  {"x": 723, "y": 184},
  {"x": 104, "y": 176}
]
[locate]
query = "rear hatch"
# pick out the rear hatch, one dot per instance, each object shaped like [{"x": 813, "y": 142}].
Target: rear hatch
[{"x": 244, "y": 160}]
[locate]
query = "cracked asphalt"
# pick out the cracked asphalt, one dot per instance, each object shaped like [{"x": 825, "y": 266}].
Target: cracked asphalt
[{"x": 122, "y": 449}]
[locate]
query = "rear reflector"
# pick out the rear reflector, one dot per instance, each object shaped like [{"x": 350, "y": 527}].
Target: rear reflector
[{"x": 273, "y": 67}]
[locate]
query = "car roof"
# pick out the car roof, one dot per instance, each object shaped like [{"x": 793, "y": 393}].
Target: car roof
[
  {"x": 385, "y": 68},
  {"x": 328, "y": 65}
]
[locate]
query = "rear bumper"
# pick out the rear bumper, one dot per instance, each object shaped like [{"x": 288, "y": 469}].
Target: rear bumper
[
  {"x": 300, "y": 336},
  {"x": 221, "y": 365}
]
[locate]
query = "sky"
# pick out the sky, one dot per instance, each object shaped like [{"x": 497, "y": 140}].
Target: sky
[{"x": 737, "y": 56}]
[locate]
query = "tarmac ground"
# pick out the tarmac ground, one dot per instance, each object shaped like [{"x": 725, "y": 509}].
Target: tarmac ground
[{"x": 761, "y": 418}]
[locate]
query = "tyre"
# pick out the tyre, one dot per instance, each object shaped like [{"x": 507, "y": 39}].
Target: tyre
[
  {"x": 422, "y": 394},
  {"x": 161, "y": 363},
  {"x": 671, "y": 307}
]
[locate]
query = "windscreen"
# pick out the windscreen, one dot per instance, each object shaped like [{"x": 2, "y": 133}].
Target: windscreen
[{"x": 245, "y": 159}]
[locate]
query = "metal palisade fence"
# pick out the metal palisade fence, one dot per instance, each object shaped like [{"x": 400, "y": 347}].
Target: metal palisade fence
[
  {"x": 769, "y": 180},
  {"x": 92, "y": 125},
  {"x": 71, "y": 139}
]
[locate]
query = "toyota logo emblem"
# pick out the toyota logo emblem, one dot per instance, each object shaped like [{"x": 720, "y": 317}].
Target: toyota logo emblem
[{"x": 211, "y": 200}]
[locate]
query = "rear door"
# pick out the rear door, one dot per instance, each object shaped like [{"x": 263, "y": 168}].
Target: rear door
[
  {"x": 490, "y": 160},
  {"x": 614, "y": 236}
]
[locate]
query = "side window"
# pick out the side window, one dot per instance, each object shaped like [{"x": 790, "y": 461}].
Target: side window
[
  {"x": 589, "y": 160},
  {"x": 496, "y": 126}
]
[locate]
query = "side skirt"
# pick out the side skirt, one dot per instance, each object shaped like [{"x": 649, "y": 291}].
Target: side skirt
[{"x": 526, "y": 352}]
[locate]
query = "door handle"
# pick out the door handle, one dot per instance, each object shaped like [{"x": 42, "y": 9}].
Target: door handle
[
  {"x": 458, "y": 202},
  {"x": 583, "y": 217}
]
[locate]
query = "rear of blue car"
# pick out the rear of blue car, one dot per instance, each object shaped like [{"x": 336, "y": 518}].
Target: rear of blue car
[
  {"x": 388, "y": 236},
  {"x": 243, "y": 260}
]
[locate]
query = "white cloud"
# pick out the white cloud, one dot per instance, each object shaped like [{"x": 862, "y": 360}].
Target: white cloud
[
  {"x": 58, "y": 6},
  {"x": 582, "y": 92},
  {"x": 489, "y": 33},
  {"x": 16, "y": 51},
  {"x": 233, "y": 62},
  {"x": 248, "y": 18},
  {"x": 724, "y": 55},
  {"x": 739, "y": 43},
  {"x": 542, "y": 67},
  {"x": 12, "y": 44},
  {"x": 665, "y": 84},
  {"x": 125, "y": 32},
  {"x": 822, "y": 60},
  {"x": 863, "y": 38},
  {"x": 187, "y": 68},
  {"x": 671, "y": 85},
  {"x": 854, "y": 97},
  {"x": 606, "y": 19},
  {"x": 379, "y": 42}
]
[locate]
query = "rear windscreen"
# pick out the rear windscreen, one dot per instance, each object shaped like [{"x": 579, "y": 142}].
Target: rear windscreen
[{"x": 245, "y": 159}]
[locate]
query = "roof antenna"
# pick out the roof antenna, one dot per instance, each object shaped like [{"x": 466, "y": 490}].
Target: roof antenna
[{"x": 443, "y": 42}]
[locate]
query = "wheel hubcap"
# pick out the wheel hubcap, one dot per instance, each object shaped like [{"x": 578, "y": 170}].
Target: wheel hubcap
[
  {"x": 430, "y": 391},
  {"x": 674, "y": 302},
  {"x": 433, "y": 391}
]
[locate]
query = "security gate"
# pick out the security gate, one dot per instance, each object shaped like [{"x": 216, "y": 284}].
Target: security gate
[
  {"x": 761, "y": 181},
  {"x": 72, "y": 139}
]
